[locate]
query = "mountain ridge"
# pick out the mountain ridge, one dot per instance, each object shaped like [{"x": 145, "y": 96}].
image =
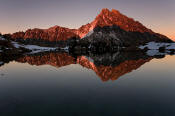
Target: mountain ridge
[
  {"x": 104, "y": 18},
  {"x": 114, "y": 17}
]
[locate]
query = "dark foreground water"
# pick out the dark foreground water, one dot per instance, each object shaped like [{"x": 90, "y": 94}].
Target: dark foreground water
[{"x": 53, "y": 85}]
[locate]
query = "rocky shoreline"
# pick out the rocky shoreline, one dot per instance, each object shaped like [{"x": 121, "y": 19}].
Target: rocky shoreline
[
  {"x": 110, "y": 32},
  {"x": 11, "y": 50},
  {"x": 80, "y": 46}
]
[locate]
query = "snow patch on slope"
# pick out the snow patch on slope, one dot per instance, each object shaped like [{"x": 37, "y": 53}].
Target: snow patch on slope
[
  {"x": 156, "y": 46},
  {"x": 16, "y": 45},
  {"x": 34, "y": 48},
  {"x": 1, "y": 38}
]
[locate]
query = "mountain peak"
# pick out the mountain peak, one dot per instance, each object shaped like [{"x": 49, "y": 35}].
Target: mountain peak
[
  {"x": 114, "y": 17},
  {"x": 115, "y": 11},
  {"x": 105, "y": 10},
  {"x": 104, "y": 13},
  {"x": 54, "y": 27},
  {"x": 110, "y": 18}
]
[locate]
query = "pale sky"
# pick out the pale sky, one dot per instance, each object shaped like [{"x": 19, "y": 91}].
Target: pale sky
[{"x": 20, "y": 15}]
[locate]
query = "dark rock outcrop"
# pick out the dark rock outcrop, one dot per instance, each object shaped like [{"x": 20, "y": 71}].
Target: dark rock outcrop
[{"x": 114, "y": 36}]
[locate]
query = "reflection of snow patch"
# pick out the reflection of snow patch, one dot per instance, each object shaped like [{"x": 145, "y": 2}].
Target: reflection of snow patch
[
  {"x": 34, "y": 47},
  {"x": 156, "y": 46},
  {"x": 65, "y": 48}
]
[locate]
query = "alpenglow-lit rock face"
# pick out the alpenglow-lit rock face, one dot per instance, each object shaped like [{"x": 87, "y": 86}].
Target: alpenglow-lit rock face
[
  {"x": 105, "y": 18},
  {"x": 55, "y": 33},
  {"x": 114, "y": 17}
]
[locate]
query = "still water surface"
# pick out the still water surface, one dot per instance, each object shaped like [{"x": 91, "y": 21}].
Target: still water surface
[{"x": 73, "y": 89}]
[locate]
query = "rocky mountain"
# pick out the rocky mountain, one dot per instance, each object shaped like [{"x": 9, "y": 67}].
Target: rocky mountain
[
  {"x": 52, "y": 34},
  {"x": 106, "y": 18},
  {"x": 110, "y": 18}
]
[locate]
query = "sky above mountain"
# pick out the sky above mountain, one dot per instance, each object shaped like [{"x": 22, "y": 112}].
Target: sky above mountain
[{"x": 19, "y": 15}]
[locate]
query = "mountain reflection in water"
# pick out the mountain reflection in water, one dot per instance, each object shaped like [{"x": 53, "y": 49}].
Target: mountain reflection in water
[
  {"x": 107, "y": 66},
  {"x": 54, "y": 83}
]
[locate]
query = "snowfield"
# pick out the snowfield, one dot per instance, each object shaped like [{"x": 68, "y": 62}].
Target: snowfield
[
  {"x": 1, "y": 38},
  {"x": 156, "y": 46},
  {"x": 34, "y": 48}
]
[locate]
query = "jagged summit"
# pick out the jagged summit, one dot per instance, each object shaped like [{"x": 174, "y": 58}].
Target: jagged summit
[
  {"x": 115, "y": 11},
  {"x": 105, "y": 11},
  {"x": 113, "y": 17}
]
